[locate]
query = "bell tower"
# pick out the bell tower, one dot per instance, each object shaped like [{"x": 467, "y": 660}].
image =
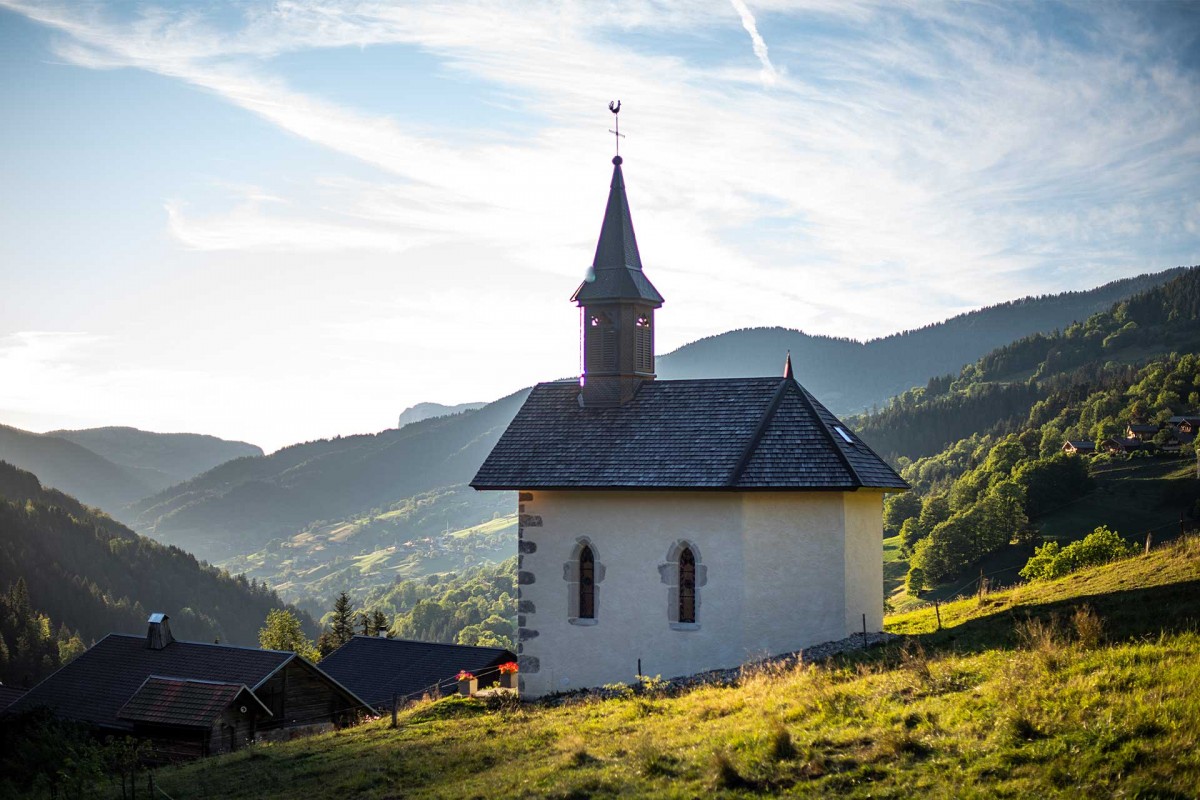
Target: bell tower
[{"x": 617, "y": 303}]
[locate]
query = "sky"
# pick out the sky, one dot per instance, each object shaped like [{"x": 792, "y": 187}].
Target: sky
[{"x": 282, "y": 221}]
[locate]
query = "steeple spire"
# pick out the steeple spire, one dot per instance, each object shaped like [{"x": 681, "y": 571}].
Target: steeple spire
[
  {"x": 617, "y": 303},
  {"x": 616, "y": 271},
  {"x": 787, "y": 366}
]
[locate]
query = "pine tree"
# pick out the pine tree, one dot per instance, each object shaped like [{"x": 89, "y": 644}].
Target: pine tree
[{"x": 343, "y": 619}]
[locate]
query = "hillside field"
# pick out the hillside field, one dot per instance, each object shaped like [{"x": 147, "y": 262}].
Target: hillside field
[{"x": 1081, "y": 687}]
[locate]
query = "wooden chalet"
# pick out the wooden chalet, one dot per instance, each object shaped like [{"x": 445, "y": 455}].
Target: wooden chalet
[
  {"x": 1120, "y": 444},
  {"x": 378, "y": 669},
  {"x": 192, "y": 699},
  {"x": 1079, "y": 447},
  {"x": 1142, "y": 433}
]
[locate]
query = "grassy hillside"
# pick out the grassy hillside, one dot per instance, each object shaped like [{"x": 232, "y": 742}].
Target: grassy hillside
[
  {"x": 411, "y": 539},
  {"x": 1082, "y": 687}
]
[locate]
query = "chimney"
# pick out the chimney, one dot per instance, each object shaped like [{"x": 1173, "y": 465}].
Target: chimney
[
  {"x": 382, "y": 633},
  {"x": 159, "y": 634}
]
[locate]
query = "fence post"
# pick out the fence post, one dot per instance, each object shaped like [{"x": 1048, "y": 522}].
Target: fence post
[
  {"x": 393, "y": 709},
  {"x": 938, "y": 610},
  {"x": 1150, "y": 538},
  {"x": 864, "y": 630}
]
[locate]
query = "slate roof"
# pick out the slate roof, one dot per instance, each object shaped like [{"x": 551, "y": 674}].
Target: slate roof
[
  {"x": 9, "y": 695},
  {"x": 375, "y": 668},
  {"x": 733, "y": 434},
  {"x": 185, "y": 702},
  {"x": 616, "y": 272},
  {"x": 1080, "y": 444},
  {"x": 97, "y": 684}
]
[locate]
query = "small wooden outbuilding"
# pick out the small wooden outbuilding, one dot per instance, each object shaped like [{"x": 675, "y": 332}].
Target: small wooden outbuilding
[
  {"x": 378, "y": 669},
  {"x": 192, "y": 699}
]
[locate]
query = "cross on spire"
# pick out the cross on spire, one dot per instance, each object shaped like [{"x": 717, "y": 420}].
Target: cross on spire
[{"x": 615, "y": 108}]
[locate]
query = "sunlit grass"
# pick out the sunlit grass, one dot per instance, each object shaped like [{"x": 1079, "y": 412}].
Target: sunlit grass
[{"x": 1062, "y": 689}]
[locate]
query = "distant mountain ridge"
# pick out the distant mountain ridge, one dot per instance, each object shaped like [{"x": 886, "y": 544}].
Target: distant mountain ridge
[
  {"x": 850, "y": 376},
  {"x": 174, "y": 456},
  {"x": 112, "y": 467},
  {"x": 424, "y": 411},
  {"x": 239, "y": 507}
]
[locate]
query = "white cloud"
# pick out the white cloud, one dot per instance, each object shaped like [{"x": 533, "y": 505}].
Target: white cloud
[{"x": 769, "y": 75}]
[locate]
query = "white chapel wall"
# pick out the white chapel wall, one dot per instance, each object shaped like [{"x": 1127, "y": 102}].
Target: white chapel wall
[
  {"x": 864, "y": 560},
  {"x": 774, "y": 568}
]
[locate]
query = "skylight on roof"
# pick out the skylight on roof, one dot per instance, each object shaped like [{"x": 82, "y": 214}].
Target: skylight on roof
[{"x": 842, "y": 433}]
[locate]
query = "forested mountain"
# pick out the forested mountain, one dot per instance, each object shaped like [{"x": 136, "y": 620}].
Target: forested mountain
[
  {"x": 997, "y": 393},
  {"x": 850, "y": 376},
  {"x": 242, "y": 505},
  {"x": 74, "y": 469},
  {"x": 89, "y": 573},
  {"x": 238, "y": 508},
  {"x": 988, "y": 468},
  {"x": 168, "y": 457}
]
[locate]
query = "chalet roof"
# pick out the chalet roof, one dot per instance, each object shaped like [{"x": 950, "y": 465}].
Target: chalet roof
[
  {"x": 1148, "y": 428},
  {"x": 185, "y": 702},
  {"x": 9, "y": 695},
  {"x": 1178, "y": 418},
  {"x": 616, "y": 272},
  {"x": 1121, "y": 441},
  {"x": 96, "y": 685},
  {"x": 375, "y": 668},
  {"x": 730, "y": 434}
]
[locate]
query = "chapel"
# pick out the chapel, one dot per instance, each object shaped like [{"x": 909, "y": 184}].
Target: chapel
[{"x": 672, "y": 527}]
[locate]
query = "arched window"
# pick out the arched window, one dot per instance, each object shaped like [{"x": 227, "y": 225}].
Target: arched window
[
  {"x": 584, "y": 574},
  {"x": 587, "y": 584},
  {"x": 687, "y": 586},
  {"x": 684, "y": 574}
]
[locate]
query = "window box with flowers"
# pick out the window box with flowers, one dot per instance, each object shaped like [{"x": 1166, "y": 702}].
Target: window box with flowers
[
  {"x": 508, "y": 675},
  {"x": 468, "y": 684}
]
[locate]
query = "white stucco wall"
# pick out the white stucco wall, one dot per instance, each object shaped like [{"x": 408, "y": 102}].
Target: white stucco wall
[
  {"x": 864, "y": 560},
  {"x": 776, "y": 568}
]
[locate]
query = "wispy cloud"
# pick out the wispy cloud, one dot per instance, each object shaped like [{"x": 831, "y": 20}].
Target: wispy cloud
[{"x": 769, "y": 75}]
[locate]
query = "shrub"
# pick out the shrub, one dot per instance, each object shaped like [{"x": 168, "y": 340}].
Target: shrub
[
  {"x": 914, "y": 582},
  {"x": 1098, "y": 547}
]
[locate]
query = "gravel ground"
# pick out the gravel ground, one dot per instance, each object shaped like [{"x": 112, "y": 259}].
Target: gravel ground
[{"x": 732, "y": 676}]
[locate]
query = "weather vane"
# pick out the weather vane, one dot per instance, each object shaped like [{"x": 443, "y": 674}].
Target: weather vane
[{"x": 615, "y": 108}]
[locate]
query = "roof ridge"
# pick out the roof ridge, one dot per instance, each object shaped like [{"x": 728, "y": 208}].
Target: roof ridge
[
  {"x": 740, "y": 467},
  {"x": 206, "y": 644},
  {"x": 437, "y": 644},
  {"x": 824, "y": 426}
]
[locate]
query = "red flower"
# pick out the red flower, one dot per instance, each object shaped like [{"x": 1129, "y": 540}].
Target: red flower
[
  {"x": 508, "y": 667},
  {"x": 465, "y": 676}
]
